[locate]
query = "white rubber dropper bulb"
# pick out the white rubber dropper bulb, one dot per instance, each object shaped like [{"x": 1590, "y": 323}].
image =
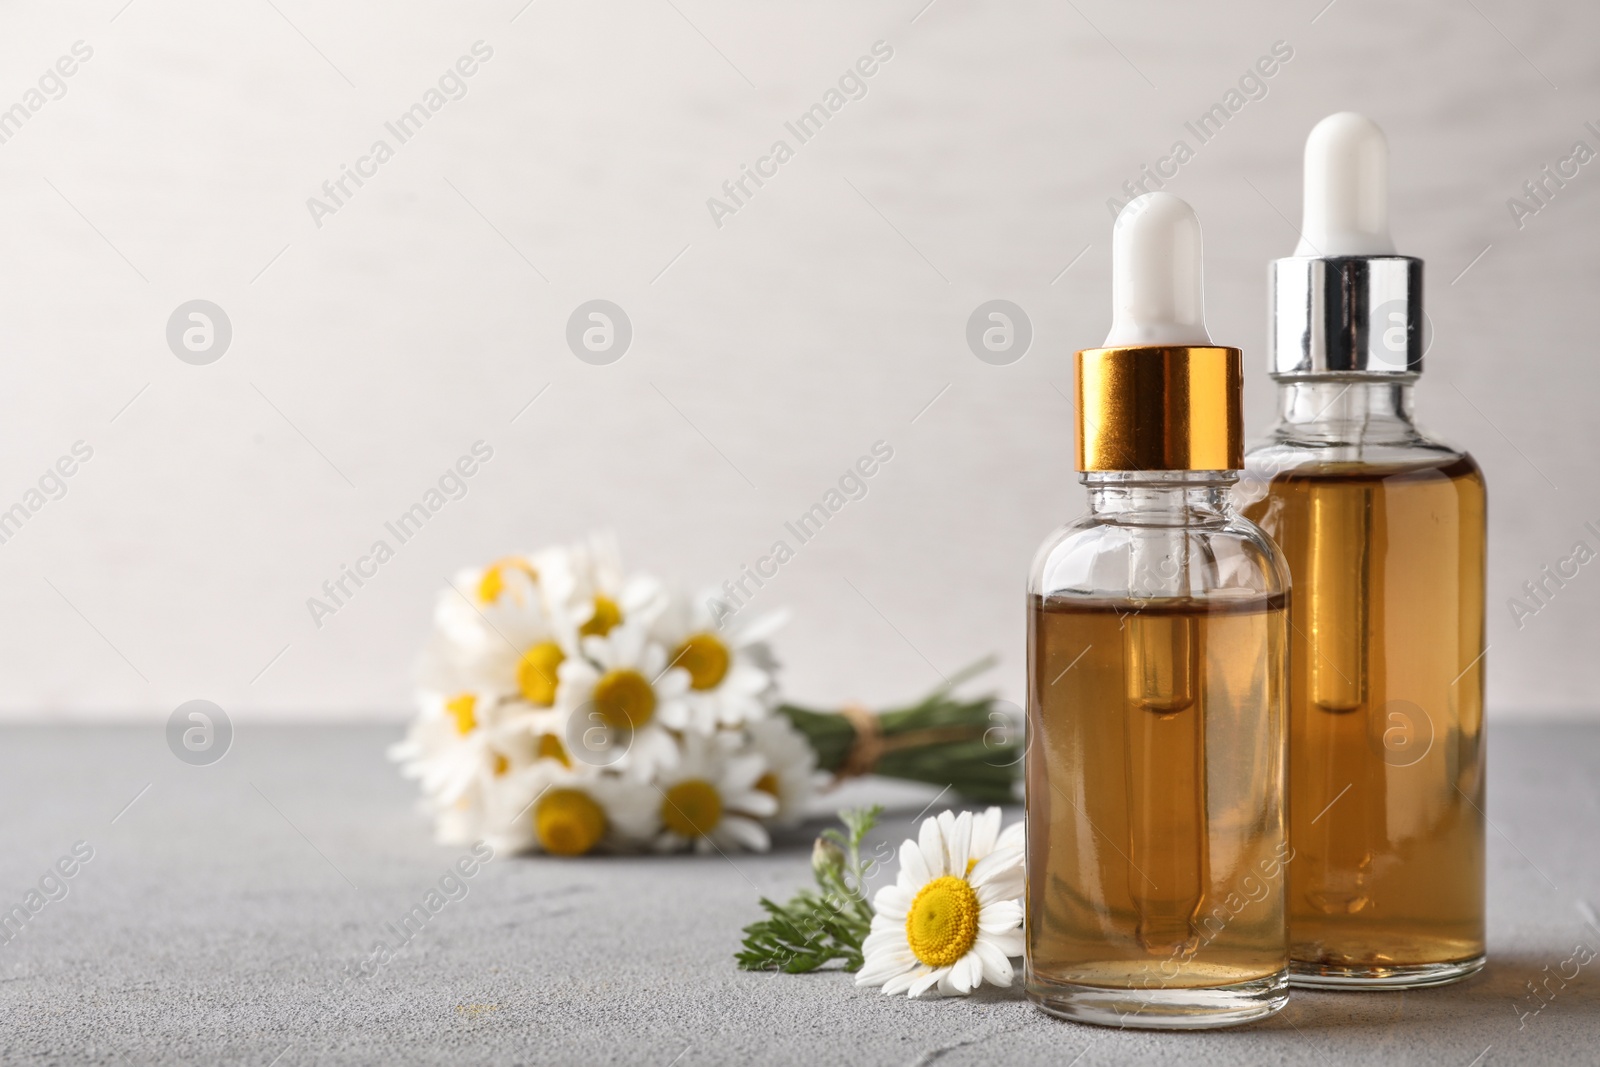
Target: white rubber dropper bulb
[
  {"x": 1346, "y": 189},
  {"x": 1157, "y": 297}
]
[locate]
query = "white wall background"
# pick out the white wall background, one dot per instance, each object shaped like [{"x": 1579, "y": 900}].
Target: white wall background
[{"x": 822, "y": 317}]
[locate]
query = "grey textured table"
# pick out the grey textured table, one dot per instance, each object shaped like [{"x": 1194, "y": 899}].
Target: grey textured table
[{"x": 221, "y": 907}]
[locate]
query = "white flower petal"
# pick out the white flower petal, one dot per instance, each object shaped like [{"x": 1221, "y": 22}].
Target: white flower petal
[
  {"x": 746, "y": 832},
  {"x": 673, "y": 683},
  {"x": 927, "y": 981},
  {"x": 1010, "y": 942},
  {"x": 996, "y": 864},
  {"x": 892, "y": 902},
  {"x": 997, "y": 970},
  {"x": 967, "y": 974},
  {"x": 1000, "y": 916},
  {"x": 675, "y": 714},
  {"x": 1013, "y": 836},
  {"x": 995, "y": 892},
  {"x": 627, "y": 645},
  {"x": 886, "y": 963},
  {"x": 958, "y": 844},
  {"x": 669, "y": 841},
  {"x": 877, "y": 972},
  {"x": 900, "y": 982},
  {"x": 947, "y": 824},
  {"x": 596, "y": 648},
  {"x": 985, "y": 828},
  {"x": 745, "y": 678},
  {"x": 931, "y": 842},
  {"x": 890, "y": 937},
  {"x": 742, "y": 772},
  {"x": 755, "y": 802},
  {"x": 957, "y": 982},
  {"x": 880, "y": 924},
  {"x": 914, "y": 872},
  {"x": 883, "y": 902}
]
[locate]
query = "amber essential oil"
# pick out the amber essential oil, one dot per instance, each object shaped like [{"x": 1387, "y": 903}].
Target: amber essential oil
[
  {"x": 1154, "y": 771},
  {"x": 1386, "y": 757}
]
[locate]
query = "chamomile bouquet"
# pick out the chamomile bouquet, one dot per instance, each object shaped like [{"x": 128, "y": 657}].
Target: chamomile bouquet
[{"x": 567, "y": 706}]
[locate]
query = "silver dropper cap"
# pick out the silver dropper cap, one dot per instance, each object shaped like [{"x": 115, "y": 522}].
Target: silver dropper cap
[
  {"x": 1345, "y": 304},
  {"x": 1346, "y": 315}
]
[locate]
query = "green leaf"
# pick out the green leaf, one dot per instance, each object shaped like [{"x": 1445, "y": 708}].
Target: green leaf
[
  {"x": 817, "y": 927},
  {"x": 971, "y": 747}
]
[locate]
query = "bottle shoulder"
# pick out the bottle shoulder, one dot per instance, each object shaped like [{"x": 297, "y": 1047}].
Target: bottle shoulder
[
  {"x": 1295, "y": 445},
  {"x": 1274, "y": 491},
  {"x": 1277, "y": 461},
  {"x": 1283, "y": 452},
  {"x": 1090, "y": 557}
]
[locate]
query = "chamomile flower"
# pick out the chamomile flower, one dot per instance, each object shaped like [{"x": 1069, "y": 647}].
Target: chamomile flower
[
  {"x": 456, "y": 748},
  {"x": 622, "y": 688},
  {"x": 587, "y": 588},
  {"x": 531, "y": 734},
  {"x": 513, "y": 646},
  {"x": 481, "y": 603},
  {"x": 568, "y": 705},
  {"x": 507, "y": 583},
  {"x": 952, "y": 920},
  {"x": 791, "y": 776},
  {"x": 569, "y": 811},
  {"x": 710, "y": 798},
  {"x": 730, "y": 669}
]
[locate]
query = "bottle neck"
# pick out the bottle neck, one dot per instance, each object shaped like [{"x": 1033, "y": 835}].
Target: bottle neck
[
  {"x": 1347, "y": 409},
  {"x": 1160, "y": 498}
]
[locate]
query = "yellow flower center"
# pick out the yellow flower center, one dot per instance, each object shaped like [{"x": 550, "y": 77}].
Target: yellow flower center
[
  {"x": 692, "y": 808},
  {"x": 493, "y": 582},
  {"x": 943, "y": 921},
  {"x": 550, "y": 747},
  {"x": 624, "y": 700},
  {"x": 501, "y": 765},
  {"x": 606, "y": 615},
  {"x": 568, "y": 822},
  {"x": 536, "y": 673},
  {"x": 464, "y": 708},
  {"x": 768, "y": 783},
  {"x": 705, "y": 658}
]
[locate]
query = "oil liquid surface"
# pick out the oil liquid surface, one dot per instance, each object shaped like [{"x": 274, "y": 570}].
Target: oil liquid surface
[
  {"x": 1386, "y": 758},
  {"x": 1156, "y": 845}
]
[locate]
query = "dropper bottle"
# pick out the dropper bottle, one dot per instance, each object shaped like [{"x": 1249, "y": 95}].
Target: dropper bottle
[
  {"x": 1156, "y": 678},
  {"x": 1383, "y": 528}
]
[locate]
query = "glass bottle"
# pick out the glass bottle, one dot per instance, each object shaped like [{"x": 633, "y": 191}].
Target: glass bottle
[
  {"x": 1157, "y": 632},
  {"x": 1384, "y": 531}
]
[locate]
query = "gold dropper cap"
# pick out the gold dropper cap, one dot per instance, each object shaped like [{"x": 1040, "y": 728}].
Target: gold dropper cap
[
  {"x": 1159, "y": 396},
  {"x": 1160, "y": 408}
]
